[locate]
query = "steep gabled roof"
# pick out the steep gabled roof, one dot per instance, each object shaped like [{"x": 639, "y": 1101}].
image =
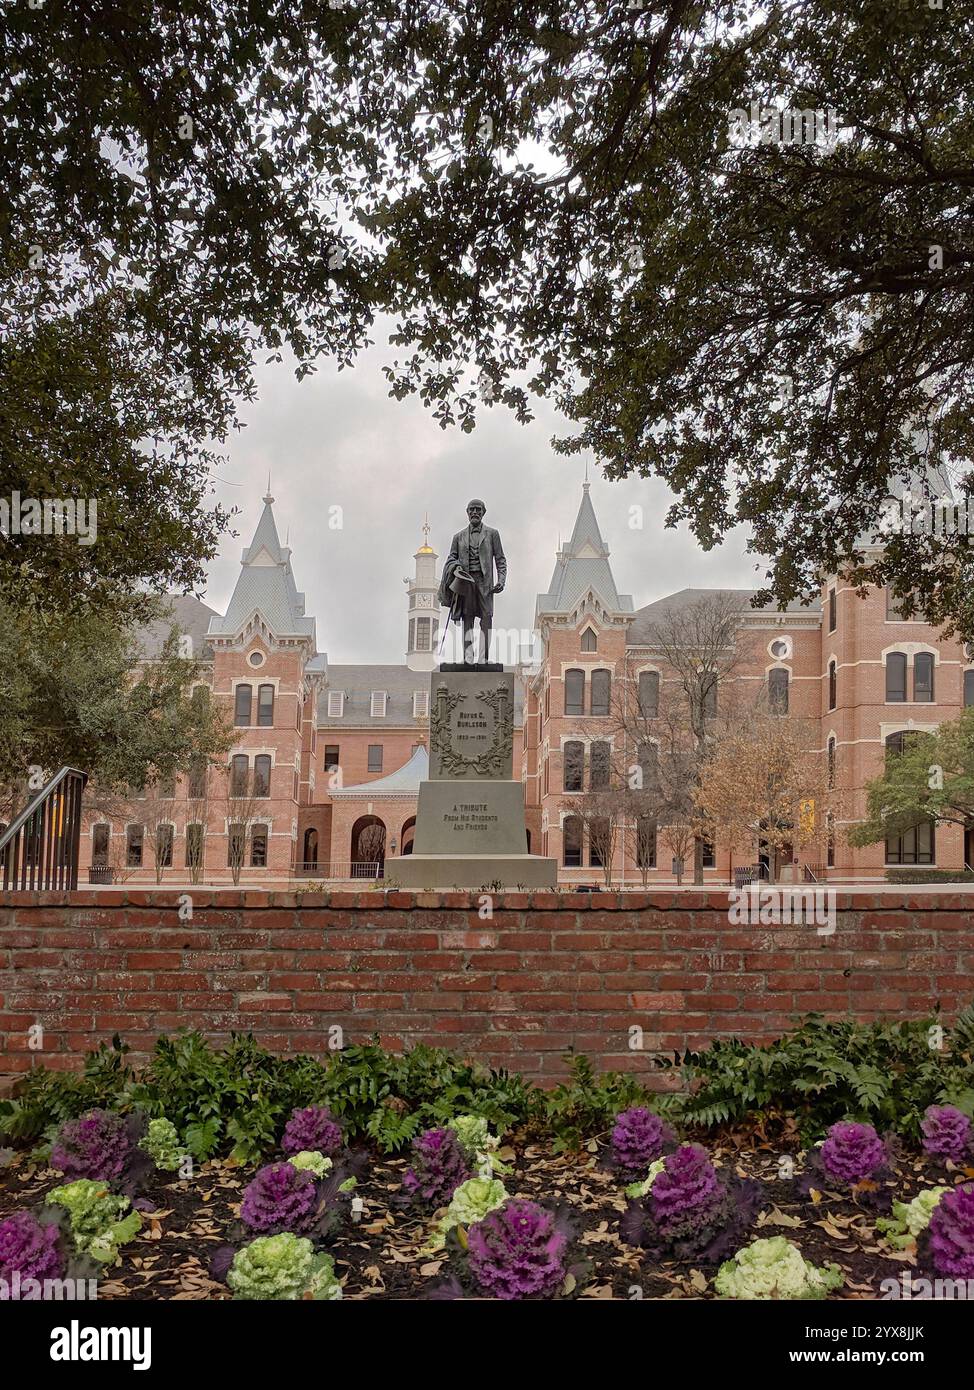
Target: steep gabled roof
[
  {"x": 266, "y": 586},
  {"x": 582, "y": 567}
]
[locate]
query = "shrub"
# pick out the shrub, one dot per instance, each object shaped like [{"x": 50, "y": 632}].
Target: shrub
[
  {"x": 283, "y": 1266},
  {"x": 946, "y": 1133},
  {"x": 639, "y": 1138},
  {"x": 29, "y": 1249},
  {"x": 280, "y": 1198},
  {"x": 516, "y": 1252},
  {"x": 690, "y": 1212},
  {"x": 586, "y": 1105},
  {"x": 439, "y": 1165},
  {"x": 824, "y": 1071},
  {"x": 951, "y": 1233},
  {"x": 773, "y": 1268},
  {"x": 99, "y": 1222},
  {"x": 312, "y": 1129}
]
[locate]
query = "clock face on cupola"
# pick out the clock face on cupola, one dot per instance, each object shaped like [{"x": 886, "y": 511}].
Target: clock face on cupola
[{"x": 424, "y": 600}]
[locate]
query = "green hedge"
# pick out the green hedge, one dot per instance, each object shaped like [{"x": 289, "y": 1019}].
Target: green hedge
[{"x": 929, "y": 876}]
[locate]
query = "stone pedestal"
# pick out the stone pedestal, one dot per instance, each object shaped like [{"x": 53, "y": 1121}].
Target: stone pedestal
[{"x": 470, "y": 815}]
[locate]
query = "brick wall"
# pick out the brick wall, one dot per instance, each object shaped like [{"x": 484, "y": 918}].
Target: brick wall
[{"x": 546, "y": 972}]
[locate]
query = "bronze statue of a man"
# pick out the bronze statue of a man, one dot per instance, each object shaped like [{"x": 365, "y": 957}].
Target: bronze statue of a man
[{"x": 467, "y": 585}]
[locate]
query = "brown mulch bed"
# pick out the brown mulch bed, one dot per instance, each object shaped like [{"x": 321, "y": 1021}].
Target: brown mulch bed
[{"x": 383, "y": 1256}]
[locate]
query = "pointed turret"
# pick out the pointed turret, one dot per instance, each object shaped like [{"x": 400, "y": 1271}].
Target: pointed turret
[
  {"x": 583, "y": 575},
  {"x": 265, "y": 595}
]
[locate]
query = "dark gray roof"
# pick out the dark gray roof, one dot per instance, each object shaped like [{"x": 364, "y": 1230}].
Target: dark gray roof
[
  {"x": 399, "y": 683},
  {"x": 266, "y": 585},
  {"x": 640, "y": 630},
  {"x": 583, "y": 565},
  {"x": 189, "y": 615}
]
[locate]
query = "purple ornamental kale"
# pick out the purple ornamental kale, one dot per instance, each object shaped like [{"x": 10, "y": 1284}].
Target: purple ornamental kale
[
  {"x": 946, "y": 1132},
  {"x": 30, "y": 1248},
  {"x": 951, "y": 1233},
  {"x": 439, "y": 1166},
  {"x": 692, "y": 1212},
  {"x": 516, "y": 1251},
  {"x": 639, "y": 1138},
  {"x": 687, "y": 1194},
  {"x": 852, "y": 1153},
  {"x": 312, "y": 1129},
  {"x": 280, "y": 1198},
  {"x": 99, "y": 1145}
]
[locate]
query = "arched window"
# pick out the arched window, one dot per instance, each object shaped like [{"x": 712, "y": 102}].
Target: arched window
[
  {"x": 164, "y": 846},
  {"x": 573, "y": 760},
  {"x": 708, "y": 695},
  {"x": 778, "y": 690},
  {"x": 831, "y": 762},
  {"x": 99, "y": 845},
  {"x": 194, "y": 845},
  {"x": 590, "y": 642},
  {"x": 133, "y": 846},
  {"x": 923, "y": 677},
  {"x": 239, "y": 765},
  {"x": 265, "y": 706},
  {"x": 601, "y": 692},
  {"x": 649, "y": 694},
  {"x": 599, "y": 842},
  {"x": 196, "y": 789},
  {"x": 572, "y": 843},
  {"x": 599, "y": 766},
  {"x": 258, "y": 847},
  {"x": 242, "y": 700},
  {"x": 262, "y": 775},
  {"x": 895, "y": 678},
  {"x": 832, "y": 685},
  {"x": 574, "y": 692}
]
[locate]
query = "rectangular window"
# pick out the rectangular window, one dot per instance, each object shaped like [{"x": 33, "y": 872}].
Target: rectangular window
[
  {"x": 923, "y": 677},
  {"x": 133, "y": 846},
  {"x": 572, "y": 843},
  {"x": 574, "y": 692},
  {"x": 378, "y": 708},
  {"x": 236, "y": 845},
  {"x": 262, "y": 775},
  {"x": 239, "y": 768},
  {"x": 424, "y": 634},
  {"x": 895, "y": 678},
  {"x": 914, "y": 846},
  {"x": 832, "y": 685},
  {"x": 167, "y": 788},
  {"x": 645, "y": 843},
  {"x": 194, "y": 845},
  {"x": 258, "y": 847},
  {"x": 573, "y": 763},
  {"x": 778, "y": 690},
  {"x": 164, "y": 846},
  {"x": 601, "y": 692},
  {"x": 421, "y": 704},
  {"x": 831, "y": 610},
  {"x": 831, "y": 763},
  {"x": 331, "y": 757},
  {"x": 197, "y": 780},
  {"x": 599, "y": 766},
  {"x": 968, "y": 689},
  {"x": 709, "y": 855},
  {"x": 375, "y": 757},
  {"x": 649, "y": 694},
  {"x": 99, "y": 847},
  {"x": 265, "y": 706},
  {"x": 243, "y": 697}
]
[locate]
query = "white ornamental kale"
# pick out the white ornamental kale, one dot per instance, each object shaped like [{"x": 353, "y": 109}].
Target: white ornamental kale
[{"x": 773, "y": 1268}]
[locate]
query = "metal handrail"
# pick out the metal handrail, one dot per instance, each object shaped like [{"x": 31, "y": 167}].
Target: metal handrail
[{"x": 40, "y": 848}]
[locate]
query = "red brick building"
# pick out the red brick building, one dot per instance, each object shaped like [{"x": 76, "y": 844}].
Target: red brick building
[{"x": 334, "y": 754}]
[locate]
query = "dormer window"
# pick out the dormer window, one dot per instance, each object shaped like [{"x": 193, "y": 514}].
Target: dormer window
[
  {"x": 336, "y": 704},
  {"x": 378, "y": 704},
  {"x": 590, "y": 641}
]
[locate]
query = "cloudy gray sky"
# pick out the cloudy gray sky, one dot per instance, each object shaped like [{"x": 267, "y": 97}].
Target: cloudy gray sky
[{"x": 338, "y": 439}]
